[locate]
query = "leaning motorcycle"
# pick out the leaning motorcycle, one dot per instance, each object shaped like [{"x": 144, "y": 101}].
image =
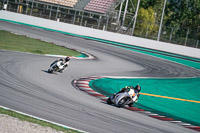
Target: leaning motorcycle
[
  {"x": 56, "y": 67},
  {"x": 123, "y": 98}
]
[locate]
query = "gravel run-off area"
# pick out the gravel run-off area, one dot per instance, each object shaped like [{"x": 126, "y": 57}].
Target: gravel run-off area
[{"x": 10, "y": 124}]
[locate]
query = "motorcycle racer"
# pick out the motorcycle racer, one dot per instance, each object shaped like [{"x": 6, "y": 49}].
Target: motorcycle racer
[
  {"x": 64, "y": 62},
  {"x": 136, "y": 89}
]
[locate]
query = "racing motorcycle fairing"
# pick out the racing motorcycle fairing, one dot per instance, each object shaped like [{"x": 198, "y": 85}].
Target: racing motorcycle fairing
[
  {"x": 123, "y": 98},
  {"x": 56, "y": 66},
  {"x": 120, "y": 99}
]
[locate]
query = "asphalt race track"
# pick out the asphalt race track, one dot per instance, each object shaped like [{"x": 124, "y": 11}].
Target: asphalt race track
[{"x": 27, "y": 87}]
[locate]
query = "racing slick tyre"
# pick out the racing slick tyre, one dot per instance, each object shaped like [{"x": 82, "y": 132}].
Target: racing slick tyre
[
  {"x": 121, "y": 102},
  {"x": 109, "y": 101},
  {"x": 130, "y": 105},
  {"x": 49, "y": 71}
]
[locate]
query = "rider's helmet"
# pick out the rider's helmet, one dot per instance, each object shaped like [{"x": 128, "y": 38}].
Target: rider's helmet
[
  {"x": 67, "y": 59},
  {"x": 138, "y": 88},
  {"x": 131, "y": 87}
]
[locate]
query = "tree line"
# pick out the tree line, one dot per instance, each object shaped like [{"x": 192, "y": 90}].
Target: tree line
[{"x": 181, "y": 18}]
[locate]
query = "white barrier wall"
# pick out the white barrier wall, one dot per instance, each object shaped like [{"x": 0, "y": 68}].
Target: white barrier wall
[{"x": 79, "y": 30}]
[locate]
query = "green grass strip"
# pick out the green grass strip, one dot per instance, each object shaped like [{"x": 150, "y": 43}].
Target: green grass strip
[
  {"x": 36, "y": 121},
  {"x": 13, "y": 42}
]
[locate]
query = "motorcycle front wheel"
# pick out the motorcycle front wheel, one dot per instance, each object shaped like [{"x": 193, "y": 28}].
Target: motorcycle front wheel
[{"x": 121, "y": 102}]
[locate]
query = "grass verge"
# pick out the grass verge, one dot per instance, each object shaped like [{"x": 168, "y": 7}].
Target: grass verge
[
  {"x": 14, "y": 42},
  {"x": 36, "y": 121}
]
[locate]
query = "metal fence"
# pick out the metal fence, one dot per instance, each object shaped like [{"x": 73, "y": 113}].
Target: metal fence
[
  {"x": 99, "y": 21},
  {"x": 169, "y": 35}
]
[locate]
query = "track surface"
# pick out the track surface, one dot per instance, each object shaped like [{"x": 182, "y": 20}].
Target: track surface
[{"x": 25, "y": 86}]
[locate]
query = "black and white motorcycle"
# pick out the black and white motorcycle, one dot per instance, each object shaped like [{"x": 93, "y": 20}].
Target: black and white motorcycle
[
  {"x": 123, "y": 98},
  {"x": 56, "y": 66}
]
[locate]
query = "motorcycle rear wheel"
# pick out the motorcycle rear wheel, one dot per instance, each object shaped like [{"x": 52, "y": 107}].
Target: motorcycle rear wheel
[
  {"x": 130, "y": 104},
  {"x": 49, "y": 71},
  {"x": 109, "y": 101}
]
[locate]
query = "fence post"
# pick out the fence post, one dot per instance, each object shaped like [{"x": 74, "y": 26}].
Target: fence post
[
  {"x": 125, "y": 10},
  {"x": 186, "y": 37},
  {"x": 57, "y": 13},
  {"x": 120, "y": 10},
  {"x": 106, "y": 28},
  {"x": 161, "y": 21},
  {"x": 170, "y": 38},
  {"x": 31, "y": 8},
  {"x": 82, "y": 19},
  {"x": 147, "y": 31},
  {"x": 136, "y": 13},
  {"x": 50, "y": 12},
  {"x": 74, "y": 17},
  {"x": 27, "y": 4},
  {"x": 197, "y": 43},
  {"x": 99, "y": 22}
]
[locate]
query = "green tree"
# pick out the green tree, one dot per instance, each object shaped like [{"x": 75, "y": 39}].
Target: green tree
[
  {"x": 184, "y": 15},
  {"x": 149, "y": 14},
  {"x": 146, "y": 21},
  {"x": 157, "y": 6}
]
